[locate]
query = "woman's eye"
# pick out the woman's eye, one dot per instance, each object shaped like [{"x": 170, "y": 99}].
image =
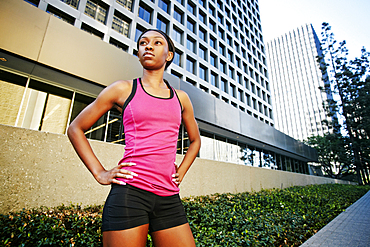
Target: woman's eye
[
  {"x": 142, "y": 43},
  {"x": 158, "y": 42}
]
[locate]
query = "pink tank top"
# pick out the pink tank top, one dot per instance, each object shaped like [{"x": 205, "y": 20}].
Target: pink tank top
[{"x": 151, "y": 126}]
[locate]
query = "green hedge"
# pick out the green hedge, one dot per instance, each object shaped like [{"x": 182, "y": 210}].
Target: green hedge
[{"x": 267, "y": 218}]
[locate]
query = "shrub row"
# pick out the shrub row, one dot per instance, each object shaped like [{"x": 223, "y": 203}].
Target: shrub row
[{"x": 267, "y": 218}]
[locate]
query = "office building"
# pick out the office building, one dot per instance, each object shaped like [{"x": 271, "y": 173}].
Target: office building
[
  {"x": 295, "y": 80},
  {"x": 64, "y": 52}
]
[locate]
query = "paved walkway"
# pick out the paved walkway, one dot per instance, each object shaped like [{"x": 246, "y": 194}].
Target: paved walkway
[{"x": 351, "y": 228}]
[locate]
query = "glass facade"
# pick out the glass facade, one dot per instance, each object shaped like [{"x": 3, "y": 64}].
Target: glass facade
[
  {"x": 296, "y": 80},
  {"x": 219, "y": 148}
]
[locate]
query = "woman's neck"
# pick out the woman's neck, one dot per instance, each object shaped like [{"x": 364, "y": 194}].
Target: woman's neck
[{"x": 153, "y": 78}]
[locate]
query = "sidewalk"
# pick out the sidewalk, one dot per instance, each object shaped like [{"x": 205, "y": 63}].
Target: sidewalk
[{"x": 349, "y": 229}]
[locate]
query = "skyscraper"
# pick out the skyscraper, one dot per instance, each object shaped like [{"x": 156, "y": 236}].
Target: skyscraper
[
  {"x": 295, "y": 79},
  {"x": 219, "y": 45},
  {"x": 53, "y": 68}
]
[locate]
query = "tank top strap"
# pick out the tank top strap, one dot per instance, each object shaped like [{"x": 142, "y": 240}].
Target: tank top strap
[
  {"x": 174, "y": 92},
  {"x": 131, "y": 96}
]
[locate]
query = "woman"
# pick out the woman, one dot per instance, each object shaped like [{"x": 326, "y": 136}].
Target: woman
[{"x": 144, "y": 195}]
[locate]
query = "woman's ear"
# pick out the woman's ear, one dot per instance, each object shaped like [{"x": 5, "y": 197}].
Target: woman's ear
[{"x": 170, "y": 56}]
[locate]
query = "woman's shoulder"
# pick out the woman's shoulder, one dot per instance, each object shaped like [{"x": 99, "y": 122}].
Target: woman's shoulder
[
  {"x": 121, "y": 85},
  {"x": 117, "y": 92},
  {"x": 181, "y": 94}
]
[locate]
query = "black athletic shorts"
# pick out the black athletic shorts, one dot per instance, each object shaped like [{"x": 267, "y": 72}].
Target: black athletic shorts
[{"x": 128, "y": 207}]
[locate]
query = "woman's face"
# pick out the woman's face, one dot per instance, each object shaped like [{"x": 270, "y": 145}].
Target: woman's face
[{"x": 153, "y": 51}]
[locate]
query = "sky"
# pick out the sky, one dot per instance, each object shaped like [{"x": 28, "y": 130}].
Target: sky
[{"x": 349, "y": 19}]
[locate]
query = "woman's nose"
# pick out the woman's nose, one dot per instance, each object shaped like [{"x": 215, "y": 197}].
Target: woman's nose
[{"x": 149, "y": 47}]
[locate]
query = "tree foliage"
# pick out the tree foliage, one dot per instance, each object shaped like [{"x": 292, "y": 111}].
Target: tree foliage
[
  {"x": 349, "y": 80},
  {"x": 333, "y": 153}
]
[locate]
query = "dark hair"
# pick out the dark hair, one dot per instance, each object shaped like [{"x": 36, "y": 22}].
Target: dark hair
[{"x": 171, "y": 46}]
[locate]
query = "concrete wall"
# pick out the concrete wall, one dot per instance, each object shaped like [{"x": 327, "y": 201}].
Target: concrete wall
[{"x": 40, "y": 168}]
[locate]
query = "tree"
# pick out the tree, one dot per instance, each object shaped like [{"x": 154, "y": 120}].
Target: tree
[
  {"x": 349, "y": 80},
  {"x": 333, "y": 155}
]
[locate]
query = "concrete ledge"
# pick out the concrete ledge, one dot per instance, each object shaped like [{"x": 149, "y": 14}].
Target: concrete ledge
[{"x": 42, "y": 169}]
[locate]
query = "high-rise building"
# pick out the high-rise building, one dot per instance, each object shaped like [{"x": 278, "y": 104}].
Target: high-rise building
[
  {"x": 219, "y": 45},
  {"x": 54, "y": 68},
  {"x": 295, "y": 80}
]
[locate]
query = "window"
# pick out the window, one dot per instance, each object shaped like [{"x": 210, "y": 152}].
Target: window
[
  {"x": 175, "y": 73},
  {"x": 120, "y": 24},
  {"x": 72, "y": 3},
  {"x": 177, "y": 59},
  {"x": 202, "y": 17},
  {"x": 246, "y": 83},
  {"x": 241, "y": 95},
  {"x": 194, "y": 83},
  {"x": 213, "y": 60},
  {"x": 190, "y": 44},
  {"x": 212, "y": 42},
  {"x": 238, "y": 63},
  {"x": 205, "y": 89},
  {"x": 221, "y": 33},
  {"x": 254, "y": 104},
  {"x": 215, "y": 94},
  {"x": 253, "y": 88},
  {"x": 232, "y": 90},
  {"x": 211, "y": 10},
  {"x": 224, "y": 86},
  {"x": 138, "y": 32},
  {"x": 202, "y": 3},
  {"x": 221, "y": 49},
  {"x": 203, "y": 73},
  {"x": 118, "y": 44},
  {"x": 202, "y": 52},
  {"x": 178, "y": 15},
  {"x": 220, "y": 18},
  {"x": 227, "y": 11},
  {"x": 60, "y": 15},
  {"x": 92, "y": 31},
  {"x": 96, "y": 10},
  {"x": 219, "y": 4},
  {"x": 265, "y": 111},
  {"x": 162, "y": 24},
  {"x": 260, "y": 108},
  {"x": 228, "y": 25},
  {"x": 191, "y": 7},
  {"x": 191, "y": 25},
  {"x": 212, "y": 25},
  {"x": 231, "y": 73},
  {"x": 214, "y": 79},
  {"x": 177, "y": 35},
  {"x": 239, "y": 78},
  {"x": 33, "y": 2},
  {"x": 145, "y": 13},
  {"x": 127, "y": 4},
  {"x": 164, "y": 5},
  {"x": 229, "y": 41},
  {"x": 190, "y": 65},
  {"x": 202, "y": 34},
  {"x": 223, "y": 66},
  {"x": 248, "y": 99},
  {"x": 230, "y": 56}
]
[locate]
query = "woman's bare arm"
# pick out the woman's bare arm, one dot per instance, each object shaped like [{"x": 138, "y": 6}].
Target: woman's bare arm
[
  {"x": 193, "y": 133},
  {"x": 112, "y": 95}
]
